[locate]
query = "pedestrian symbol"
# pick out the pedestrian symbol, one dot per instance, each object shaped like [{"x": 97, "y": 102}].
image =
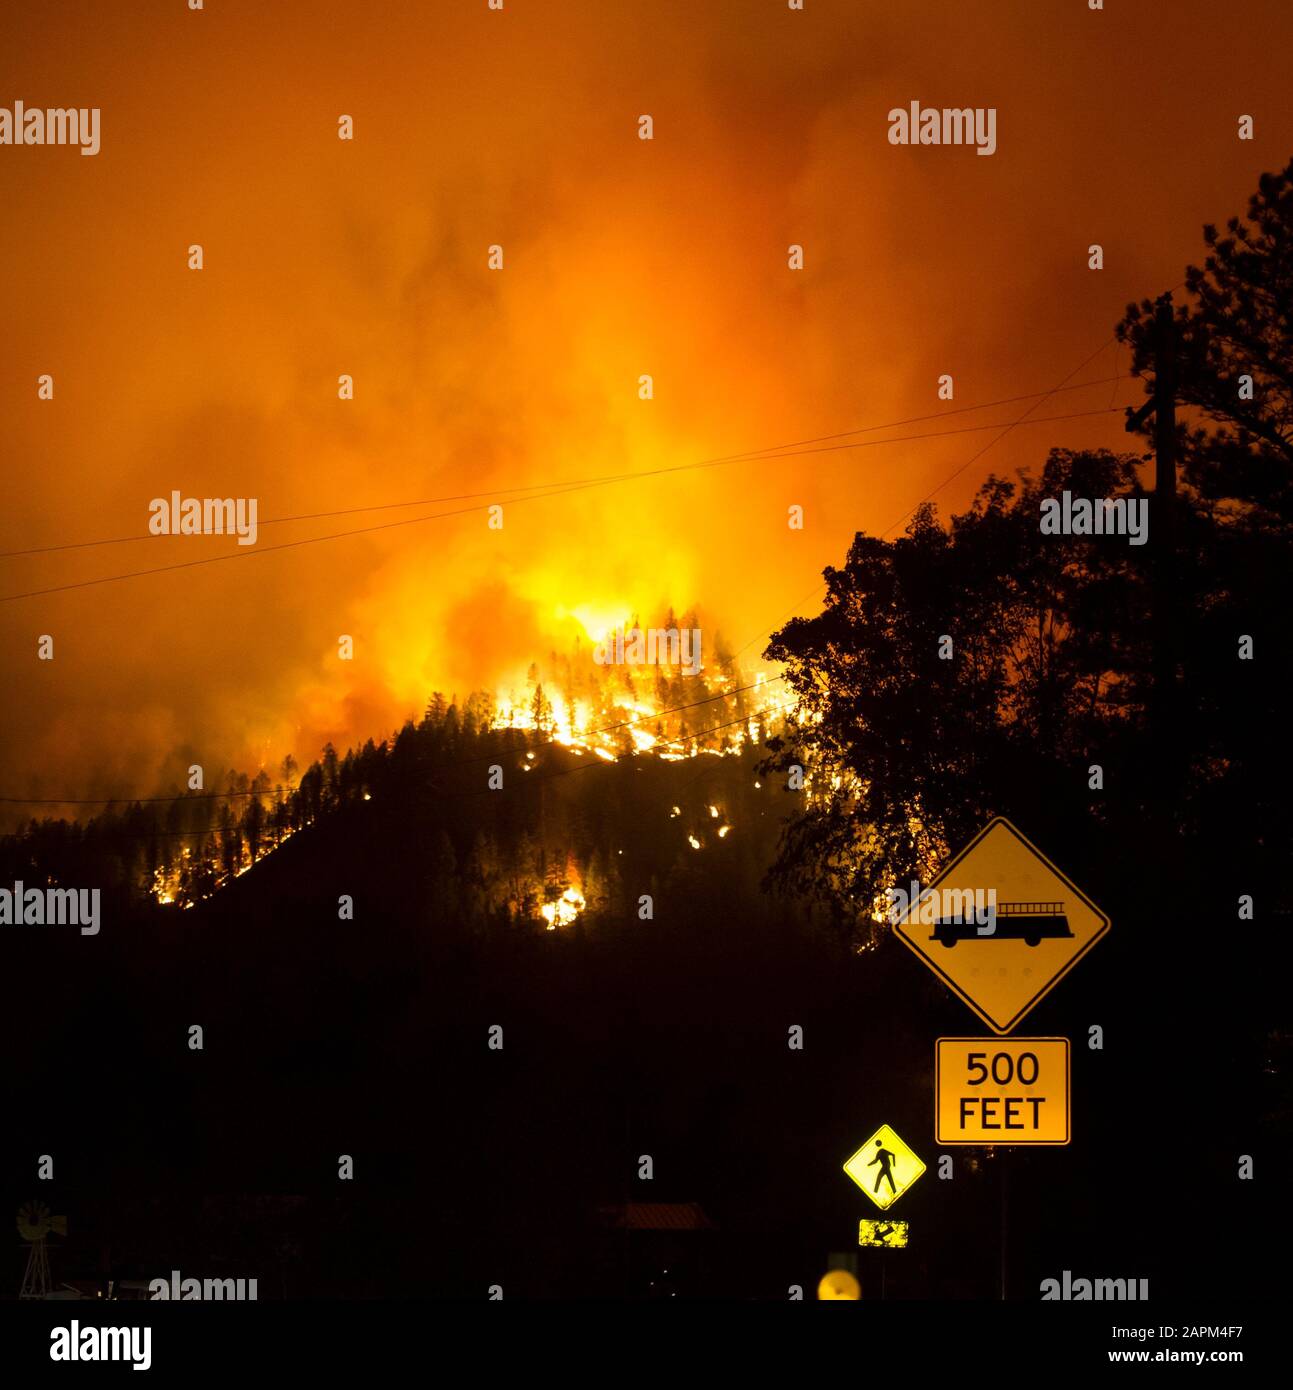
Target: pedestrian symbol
[
  {"x": 1000, "y": 925},
  {"x": 884, "y": 1167}
]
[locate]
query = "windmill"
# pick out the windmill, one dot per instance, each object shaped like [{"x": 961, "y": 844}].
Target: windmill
[{"x": 34, "y": 1224}]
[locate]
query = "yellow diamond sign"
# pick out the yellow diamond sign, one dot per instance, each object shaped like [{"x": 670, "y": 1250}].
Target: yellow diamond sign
[
  {"x": 884, "y": 1167},
  {"x": 1000, "y": 925}
]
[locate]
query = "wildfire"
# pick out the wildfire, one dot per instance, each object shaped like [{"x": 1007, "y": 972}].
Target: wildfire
[
  {"x": 173, "y": 886},
  {"x": 575, "y": 724},
  {"x": 608, "y": 713},
  {"x": 611, "y": 724},
  {"x": 563, "y": 911},
  {"x": 165, "y": 885}
]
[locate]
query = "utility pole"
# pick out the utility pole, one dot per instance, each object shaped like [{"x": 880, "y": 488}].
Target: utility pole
[
  {"x": 1164, "y": 728},
  {"x": 1164, "y": 710},
  {"x": 1005, "y": 1222},
  {"x": 1163, "y": 539}
]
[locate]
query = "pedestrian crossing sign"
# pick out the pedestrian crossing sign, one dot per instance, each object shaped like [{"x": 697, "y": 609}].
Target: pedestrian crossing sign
[{"x": 884, "y": 1167}]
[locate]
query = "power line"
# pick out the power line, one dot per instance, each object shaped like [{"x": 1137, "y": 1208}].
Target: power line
[
  {"x": 265, "y": 550},
  {"x": 307, "y": 516},
  {"x": 534, "y": 487},
  {"x": 257, "y": 551},
  {"x": 939, "y": 414},
  {"x": 956, "y": 473},
  {"x": 978, "y": 454},
  {"x": 1055, "y": 390},
  {"x": 1041, "y": 397},
  {"x": 773, "y": 452},
  {"x": 1037, "y": 397},
  {"x": 939, "y": 434}
]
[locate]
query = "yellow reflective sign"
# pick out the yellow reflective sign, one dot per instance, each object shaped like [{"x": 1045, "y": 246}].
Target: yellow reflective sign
[
  {"x": 882, "y": 1235},
  {"x": 1000, "y": 925},
  {"x": 839, "y": 1283},
  {"x": 1001, "y": 1091},
  {"x": 884, "y": 1167}
]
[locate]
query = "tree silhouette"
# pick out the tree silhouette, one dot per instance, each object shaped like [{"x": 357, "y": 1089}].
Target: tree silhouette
[
  {"x": 1239, "y": 327},
  {"x": 955, "y": 673}
]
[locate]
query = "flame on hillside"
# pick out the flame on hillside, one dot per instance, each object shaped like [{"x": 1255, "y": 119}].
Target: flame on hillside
[
  {"x": 680, "y": 719},
  {"x": 661, "y": 711},
  {"x": 562, "y": 911}
]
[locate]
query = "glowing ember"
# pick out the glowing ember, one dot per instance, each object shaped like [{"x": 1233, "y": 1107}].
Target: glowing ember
[
  {"x": 564, "y": 910},
  {"x": 164, "y": 886}
]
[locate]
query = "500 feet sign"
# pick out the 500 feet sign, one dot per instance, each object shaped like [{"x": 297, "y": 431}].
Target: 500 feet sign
[{"x": 1001, "y": 1091}]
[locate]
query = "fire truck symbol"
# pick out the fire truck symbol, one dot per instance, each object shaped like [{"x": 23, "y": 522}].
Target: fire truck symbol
[{"x": 1030, "y": 923}]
